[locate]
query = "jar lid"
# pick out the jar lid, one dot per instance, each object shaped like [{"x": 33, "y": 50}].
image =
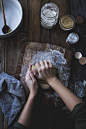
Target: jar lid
[{"x": 79, "y": 20}]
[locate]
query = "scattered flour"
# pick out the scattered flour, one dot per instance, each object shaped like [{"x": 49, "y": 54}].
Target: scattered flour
[{"x": 57, "y": 59}]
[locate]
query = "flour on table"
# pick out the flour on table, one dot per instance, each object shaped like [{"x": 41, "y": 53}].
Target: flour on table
[
  {"x": 54, "y": 56},
  {"x": 58, "y": 60}
]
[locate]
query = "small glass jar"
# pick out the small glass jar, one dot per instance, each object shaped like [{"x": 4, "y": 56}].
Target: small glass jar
[
  {"x": 79, "y": 88},
  {"x": 68, "y": 21},
  {"x": 49, "y": 15},
  {"x": 72, "y": 39}
]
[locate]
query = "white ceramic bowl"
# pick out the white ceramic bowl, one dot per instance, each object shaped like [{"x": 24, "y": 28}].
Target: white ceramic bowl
[{"x": 13, "y": 15}]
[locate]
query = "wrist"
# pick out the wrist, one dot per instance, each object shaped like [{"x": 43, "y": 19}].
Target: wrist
[
  {"x": 32, "y": 96},
  {"x": 52, "y": 81}
]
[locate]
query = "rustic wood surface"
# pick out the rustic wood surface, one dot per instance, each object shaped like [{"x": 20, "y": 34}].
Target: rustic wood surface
[
  {"x": 27, "y": 53},
  {"x": 32, "y": 31}
]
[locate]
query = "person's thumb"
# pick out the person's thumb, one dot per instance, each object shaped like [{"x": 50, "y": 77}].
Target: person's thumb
[
  {"x": 32, "y": 77},
  {"x": 36, "y": 74}
]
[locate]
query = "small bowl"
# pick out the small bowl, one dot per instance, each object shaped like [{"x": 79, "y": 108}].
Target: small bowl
[
  {"x": 13, "y": 14},
  {"x": 78, "y": 55},
  {"x": 63, "y": 28},
  {"x": 82, "y": 60}
]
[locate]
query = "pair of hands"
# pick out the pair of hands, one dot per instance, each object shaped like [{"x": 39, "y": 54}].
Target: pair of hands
[{"x": 44, "y": 72}]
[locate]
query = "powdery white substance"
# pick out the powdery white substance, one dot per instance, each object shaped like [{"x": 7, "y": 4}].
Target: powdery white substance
[
  {"x": 72, "y": 38},
  {"x": 49, "y": 18},
  {"x": 57, "y": 59},
  {"x": 49, "y": 13}
]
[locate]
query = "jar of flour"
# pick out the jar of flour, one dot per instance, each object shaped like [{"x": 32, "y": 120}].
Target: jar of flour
[{"x": 49, "y": 15}]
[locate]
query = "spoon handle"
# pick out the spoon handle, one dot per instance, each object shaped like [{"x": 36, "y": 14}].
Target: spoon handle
[{"x": 3, "y": 12}]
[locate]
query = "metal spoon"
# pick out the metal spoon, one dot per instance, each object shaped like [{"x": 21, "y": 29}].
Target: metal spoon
[{"x": 6, "y": 28}]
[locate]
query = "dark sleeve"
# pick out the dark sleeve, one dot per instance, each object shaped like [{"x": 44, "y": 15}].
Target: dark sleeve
[
  {"x": 19, "y": 126},
  {"x": 79, "y": 115}
]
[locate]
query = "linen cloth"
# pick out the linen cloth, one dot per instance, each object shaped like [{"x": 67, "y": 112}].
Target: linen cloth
[{"x": 12, "y": 96}]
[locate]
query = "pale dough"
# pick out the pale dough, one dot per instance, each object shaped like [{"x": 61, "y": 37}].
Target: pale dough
[{"x": 42, "y": 83}]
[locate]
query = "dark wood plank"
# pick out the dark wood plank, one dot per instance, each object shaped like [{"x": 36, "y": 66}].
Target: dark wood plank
[
  {"x": 44, "y": 33},
  {"x": 20, "y": 61},
  {"x": 34, "y": 20},
  {"x": 5, "y": 124},
  {"x": 2, "y": 55},
  {"x": 61, "y": 119},
  {"x": 57, "y": 35},
  {"x": 77, "y": 71},
  {"x": 78, "y": 7},
  {"x": 12, "y": 49},
  {"x": 25, "y": 7},
  {"x": 1, "y": 119},
  {"x": 2, "y": 68},
  {"x": 46, "y": 118}
]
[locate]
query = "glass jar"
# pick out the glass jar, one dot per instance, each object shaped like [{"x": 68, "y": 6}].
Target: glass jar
[
  {"x": 80, "y": 91},
  {"x": 67, "y": 22},
  {"x": 72, "y": 39},
  {"x": 49, "y": 15}
]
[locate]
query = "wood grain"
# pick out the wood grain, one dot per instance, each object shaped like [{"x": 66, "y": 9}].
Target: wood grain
[
  {"x": 2, "y": 69},
  {"x": 30, "y": 51},
  {"x": 2, "y": 55},
  {"x": 60, "y": 119},
  {"x": 25, "y": 7},
  {"x": 57, "y": 35},
  {"x": 12, "y": 46},
  {"x": 32, "y": 30},
  {"x": 77, "y": 71},
  {"x": 34, "y": 20},
  {"x": 18, "y": 70}
]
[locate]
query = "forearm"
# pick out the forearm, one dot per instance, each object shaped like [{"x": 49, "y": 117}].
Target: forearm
[
  {"x": 66, "y": 95},
  {"x": 27, "y": 113}
]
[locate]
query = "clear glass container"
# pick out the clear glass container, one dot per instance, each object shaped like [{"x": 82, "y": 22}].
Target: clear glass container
[
  {"x": 79, "y": 88},
  {"x": 72, "y": 39},
  {"x": 67, "y": 22},
  {"x": 49, "y": 15}
]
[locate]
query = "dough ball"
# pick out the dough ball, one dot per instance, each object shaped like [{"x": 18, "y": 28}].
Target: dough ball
[
  {"x": 42, "y": 83},
  {"x": 44, "y": 86},
  {"x": 33, "y": 68}
]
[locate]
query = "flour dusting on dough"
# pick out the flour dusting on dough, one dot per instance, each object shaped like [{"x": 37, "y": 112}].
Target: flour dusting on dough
[
  {"x": 54, "y": 56},
  {"x": 58, "y": 60}
]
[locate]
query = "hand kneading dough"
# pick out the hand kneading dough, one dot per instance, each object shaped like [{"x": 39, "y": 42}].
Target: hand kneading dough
[{"x": 42, "y": 83}]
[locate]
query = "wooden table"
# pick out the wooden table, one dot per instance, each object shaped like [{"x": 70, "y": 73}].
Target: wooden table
[{"x": 32, "y": 31}]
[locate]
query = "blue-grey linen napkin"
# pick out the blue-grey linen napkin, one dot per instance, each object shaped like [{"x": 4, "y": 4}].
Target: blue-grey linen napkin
[{"x": 12, "y": 96}]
